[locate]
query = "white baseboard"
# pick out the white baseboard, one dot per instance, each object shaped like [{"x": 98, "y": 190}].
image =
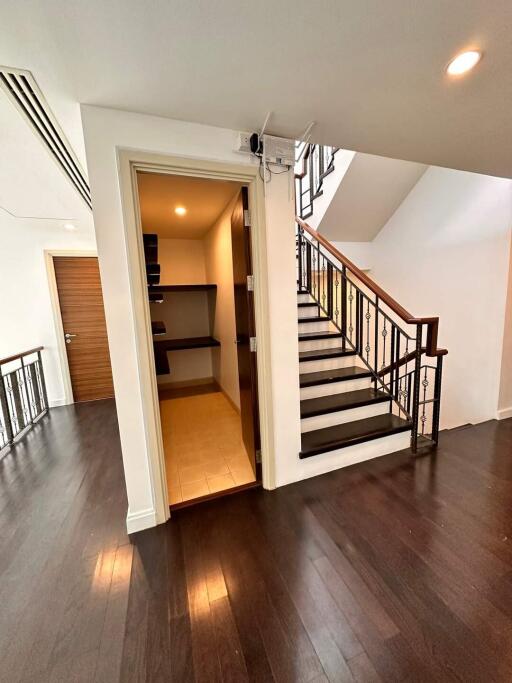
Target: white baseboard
[
  {"x": 504, "y": 413},
  {"x": 56, "y": 402},
  {"x": 138, "y": 521}
]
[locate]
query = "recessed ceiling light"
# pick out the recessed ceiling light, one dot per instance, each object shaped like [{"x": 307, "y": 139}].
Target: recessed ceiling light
[
  {"x": 464, "y": 62},
  {"x": 69, "y": 226},
  {"x": 180, "y": 210}
]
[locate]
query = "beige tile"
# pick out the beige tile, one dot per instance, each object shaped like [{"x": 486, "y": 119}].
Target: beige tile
[
  {"x": 243, "y": 476},
  {"x": 221, "y": 483},
  {"x": 195, "y": 489},
  {"x": 175, "y": 494},
  {"x": 190, "y": 474},
  {"x": 216, "y": 468},
  {"x": 238, "y": 462},
  {"x": 190, "y": 460}
]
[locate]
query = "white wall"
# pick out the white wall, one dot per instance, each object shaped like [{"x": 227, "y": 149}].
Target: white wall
[
  {"x": 185, "y": 314},
  {"x": 445, "y": 252},
  {"x": 342, "y": 161},
  {"x": 182, "y": 262},
  {"x": 360, "y": 253},
  {"x": 105, "y": 131},
  {"x": 26, "y": 318},
  {"x": 219, "y": 270},
  {"x": 505, "y": 401}
]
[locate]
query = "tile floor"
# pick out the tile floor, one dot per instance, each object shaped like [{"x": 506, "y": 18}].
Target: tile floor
[{"x": 203, "y": 446}]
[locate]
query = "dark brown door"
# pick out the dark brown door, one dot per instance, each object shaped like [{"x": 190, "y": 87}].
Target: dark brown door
[
  {"x": 245, "y": 329},
  {"x": 85, "y": 332}
]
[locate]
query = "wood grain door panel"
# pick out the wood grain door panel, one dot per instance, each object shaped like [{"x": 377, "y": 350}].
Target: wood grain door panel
[{"x": 83, "y": 315}]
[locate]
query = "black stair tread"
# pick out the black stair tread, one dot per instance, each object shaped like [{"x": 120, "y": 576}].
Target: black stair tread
[
  {"x": 333, "y": 403},
  {"x": 302, "y": 304},
  {"x": 351, "y": 433},
  {"x": 313, "y": 319},
  {"x": 311, "y": 379},
  {"x": 323, "y": 354},
  {"x": 328, "y": 334}
]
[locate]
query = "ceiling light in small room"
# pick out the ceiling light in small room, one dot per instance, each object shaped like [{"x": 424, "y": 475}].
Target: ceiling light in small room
[
  {"x": 180, "y": 210},
  {"x": 69, "y": 227},
  {"x": 464, "y": 62}
]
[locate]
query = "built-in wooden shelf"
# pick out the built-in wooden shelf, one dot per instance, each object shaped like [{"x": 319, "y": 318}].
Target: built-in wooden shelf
[
  {"x": 185, "y": 343},
  {"x": 181, "y": 288},
  {"x": 158, "y": 327}
]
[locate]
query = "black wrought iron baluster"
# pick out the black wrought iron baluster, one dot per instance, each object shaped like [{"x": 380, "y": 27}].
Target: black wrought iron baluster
[
  {"x": 344, "y": 304},
  {"x": 337, "y": 276},
  {"x": 309, "y": 266},
  {"x": 376, "y": 339},
  {"x": 416, "y": 390},
  {"x": 351, "y": 301},
  {"x": 30, "y": 392},
  {"x": 397, "y": 361},
  {"x": 42, "y": 380},
  {"x": 299, "y": 256},
  {"x": 6, "y": 418},
  {"x": 392, "y": 358},
  {"x": 330, "y": 291},
  {"x": 384, "y": 338},
  {"x": 437, "y": 400},
  {"x": 368, "y": 317},
  {"x": 318, "y": 270},
  {"x": 406, "y": 390},
  {"x": 423, "y": 418},
  {"x": 323, "y": 274}
]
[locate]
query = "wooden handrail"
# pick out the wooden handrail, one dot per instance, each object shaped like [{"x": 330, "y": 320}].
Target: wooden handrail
[
  {"x": 432, "y": 323},
  {"x": 9, "y": 359}
]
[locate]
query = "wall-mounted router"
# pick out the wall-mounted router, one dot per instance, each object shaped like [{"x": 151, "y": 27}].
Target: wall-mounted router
[{"x": 280, "y": 151}]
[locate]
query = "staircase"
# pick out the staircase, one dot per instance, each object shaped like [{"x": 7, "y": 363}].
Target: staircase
[{"x": 370, "y": 372}]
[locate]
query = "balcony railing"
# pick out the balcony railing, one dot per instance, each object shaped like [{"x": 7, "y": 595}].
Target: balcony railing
[{"x": 23, "y": 398}]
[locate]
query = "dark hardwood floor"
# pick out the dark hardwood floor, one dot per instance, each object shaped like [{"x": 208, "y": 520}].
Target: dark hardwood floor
[{"x": 391, "y": 570}]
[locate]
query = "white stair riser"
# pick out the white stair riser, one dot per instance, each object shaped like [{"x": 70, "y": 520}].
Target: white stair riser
[
  {"x": 334, "y": 388},
  {"x": 320, "y": 326},
  {"x": 329, "y": 364},
  {"x": 344, "y": 457},
  {"x": 314, "y": 344},
  {"x": 307, "y": 311},
  {"x": 343, "y": 416},
  {"x": 304, "y": 298}
]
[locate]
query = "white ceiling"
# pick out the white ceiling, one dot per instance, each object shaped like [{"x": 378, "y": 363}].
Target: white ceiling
[
  {"x": 31, "y": 183},
  {"x": 370, "y": 73},
  {"x": 204, "y": 200},
  {"x": 369, "y": 193}
]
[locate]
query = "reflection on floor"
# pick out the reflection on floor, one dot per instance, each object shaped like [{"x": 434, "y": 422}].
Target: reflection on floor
[{"x": 203, "y": 445}]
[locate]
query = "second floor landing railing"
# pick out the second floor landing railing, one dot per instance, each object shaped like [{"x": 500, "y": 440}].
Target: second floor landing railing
[
  {"x": 399, "y": 349},
  {"x": 23, "y": 398},
  {"x": 313, "y": 164}
]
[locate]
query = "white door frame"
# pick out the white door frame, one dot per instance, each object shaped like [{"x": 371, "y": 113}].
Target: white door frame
[
  {"x": 129, "y": 162},
  {"x": 57, "y": 313}
]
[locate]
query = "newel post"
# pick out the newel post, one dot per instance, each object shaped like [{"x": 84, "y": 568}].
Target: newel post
[{"x": 416, "y": 389}]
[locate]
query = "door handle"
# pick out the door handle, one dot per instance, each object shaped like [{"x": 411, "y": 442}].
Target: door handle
[{"x": 68, "y": 337}]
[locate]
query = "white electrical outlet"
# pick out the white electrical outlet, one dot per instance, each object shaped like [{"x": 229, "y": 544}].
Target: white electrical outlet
[{"x": 244, "y": 142}]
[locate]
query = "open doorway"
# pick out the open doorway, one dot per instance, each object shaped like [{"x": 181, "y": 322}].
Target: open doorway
[{"x": 198, "y": 259}]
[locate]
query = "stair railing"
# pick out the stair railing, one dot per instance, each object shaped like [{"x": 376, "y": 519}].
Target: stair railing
[
  {"x": 23, "y": 397},
  {"x": 399, "y": 349},
  {"x": 313, "y": 164}
]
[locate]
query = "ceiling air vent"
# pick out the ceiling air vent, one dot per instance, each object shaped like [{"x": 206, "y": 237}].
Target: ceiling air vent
[{"x": 23, "y": 91}]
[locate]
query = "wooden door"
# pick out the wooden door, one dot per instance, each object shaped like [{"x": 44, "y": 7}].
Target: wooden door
[
  {"x": 85, "y": 332},
  {"x": 245, "y": 329}
]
